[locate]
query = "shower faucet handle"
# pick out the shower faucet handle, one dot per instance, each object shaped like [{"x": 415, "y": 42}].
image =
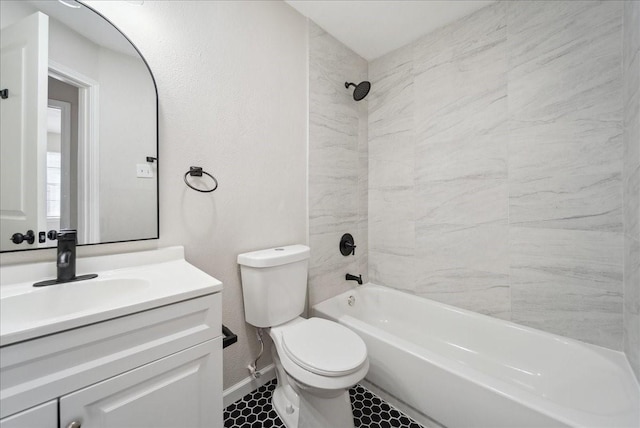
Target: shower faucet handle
[{"x": 347, "y": 245}]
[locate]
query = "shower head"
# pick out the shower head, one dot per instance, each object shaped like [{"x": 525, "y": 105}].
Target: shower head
[{"x": 361, "y": 90}]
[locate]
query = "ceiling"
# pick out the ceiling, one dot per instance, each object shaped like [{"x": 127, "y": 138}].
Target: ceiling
[{"x": 372, "y": 28}]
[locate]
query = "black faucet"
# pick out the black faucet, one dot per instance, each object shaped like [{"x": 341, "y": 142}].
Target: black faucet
[
  {"x": 66, "y": 260},
  {"x": 350, "y": 277}
]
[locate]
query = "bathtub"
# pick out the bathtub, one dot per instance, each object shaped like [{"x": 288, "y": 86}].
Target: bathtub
[{"x": 463, "y": 369}]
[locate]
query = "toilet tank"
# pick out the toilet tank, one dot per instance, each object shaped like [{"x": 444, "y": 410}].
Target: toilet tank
[{"x": 274, "y": 284}]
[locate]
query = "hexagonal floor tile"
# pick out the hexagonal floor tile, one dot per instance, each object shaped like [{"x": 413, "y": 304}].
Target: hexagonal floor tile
[{"x": 369, "y": 411}]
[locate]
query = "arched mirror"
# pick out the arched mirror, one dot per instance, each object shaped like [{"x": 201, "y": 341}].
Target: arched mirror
[{"x": 79, "y": 134}]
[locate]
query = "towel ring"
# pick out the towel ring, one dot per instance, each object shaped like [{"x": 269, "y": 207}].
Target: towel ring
[{"x": 196, "y": 171}]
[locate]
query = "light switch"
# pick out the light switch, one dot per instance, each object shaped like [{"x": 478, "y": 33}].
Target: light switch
[{"x": 143, "y": 170}]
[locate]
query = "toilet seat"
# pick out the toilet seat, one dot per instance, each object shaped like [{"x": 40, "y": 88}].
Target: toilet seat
[
  {"x": 305, "y": 376},
  {"x": 324, "y": 347}
]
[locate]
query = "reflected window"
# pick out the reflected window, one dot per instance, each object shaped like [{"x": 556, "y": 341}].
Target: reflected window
[
  {"x": 54, "y": 167},
  {"x": 53, "y": 184}
]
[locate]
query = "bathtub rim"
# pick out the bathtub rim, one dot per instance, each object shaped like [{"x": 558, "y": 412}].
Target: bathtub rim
[{"x": 564, "y": 414}]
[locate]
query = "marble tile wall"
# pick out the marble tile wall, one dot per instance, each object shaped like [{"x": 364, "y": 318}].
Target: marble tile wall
[
  {"x": 461, "y": 163},
  {"x": 391, "y": 171},
  {"x": 338, "y": 159},
  {"x": 565, "y": 149},
  {"x": 495, "y": 159},
  {"x": 631, "y": 180}
]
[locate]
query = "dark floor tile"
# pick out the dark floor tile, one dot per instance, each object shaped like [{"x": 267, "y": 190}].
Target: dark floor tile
[{"x": 369, "y": 411}]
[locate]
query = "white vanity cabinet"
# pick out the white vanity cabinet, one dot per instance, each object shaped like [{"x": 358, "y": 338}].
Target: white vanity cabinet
[
  {"x": 175, "y": 391},
  {"x": 42, "y": 416},
  {"x": 161, "y": 367}
]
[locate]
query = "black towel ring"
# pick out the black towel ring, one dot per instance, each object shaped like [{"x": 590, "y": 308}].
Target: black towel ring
[{"x": 196, "y": 171}]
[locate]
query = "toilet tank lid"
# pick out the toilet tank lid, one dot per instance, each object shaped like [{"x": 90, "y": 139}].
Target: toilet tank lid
[{"x": 274, "y": 256}]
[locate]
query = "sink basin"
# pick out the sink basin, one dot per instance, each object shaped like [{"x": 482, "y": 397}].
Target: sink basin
[
  {"x": 67, "y": 300},
  {"x": 126, "y": 283}
]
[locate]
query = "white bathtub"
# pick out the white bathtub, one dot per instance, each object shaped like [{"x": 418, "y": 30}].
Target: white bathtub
[{"x": 463, "y": 369}]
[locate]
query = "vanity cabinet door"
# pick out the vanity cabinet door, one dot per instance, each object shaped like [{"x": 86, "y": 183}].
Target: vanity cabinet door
[
  {"x": 181, "y": 390},
  {"x": 42, "y": 416}
]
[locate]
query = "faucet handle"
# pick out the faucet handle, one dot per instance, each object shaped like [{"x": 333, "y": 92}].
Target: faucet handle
[
  {"x": 66, "y": 235},
  {"x": 347, "y": 245}
]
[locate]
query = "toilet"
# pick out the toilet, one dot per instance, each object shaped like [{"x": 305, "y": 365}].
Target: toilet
[{"x": 316, "y": 360}]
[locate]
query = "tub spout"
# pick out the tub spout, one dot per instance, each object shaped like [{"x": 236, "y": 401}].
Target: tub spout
[{"x": 350, "y": 277}]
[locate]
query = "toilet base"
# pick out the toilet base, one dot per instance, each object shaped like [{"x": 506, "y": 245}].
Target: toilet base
[
  {"x": 286, "y": 409},
  {"x": 300, "y": 406},
  {"x": 321, "y": 412}
]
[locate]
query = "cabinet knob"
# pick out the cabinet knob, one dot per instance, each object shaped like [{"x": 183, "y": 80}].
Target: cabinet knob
[{"x": 74, "y": 424}]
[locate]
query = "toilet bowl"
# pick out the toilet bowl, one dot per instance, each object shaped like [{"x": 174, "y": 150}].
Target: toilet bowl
[{"x": 316, "y": 360}]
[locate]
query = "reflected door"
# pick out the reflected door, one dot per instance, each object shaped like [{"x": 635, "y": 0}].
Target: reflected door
[{"x": 23, "y": 118}]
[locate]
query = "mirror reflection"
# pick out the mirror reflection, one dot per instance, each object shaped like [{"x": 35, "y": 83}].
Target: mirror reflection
[{"x": 78, "y": 129}]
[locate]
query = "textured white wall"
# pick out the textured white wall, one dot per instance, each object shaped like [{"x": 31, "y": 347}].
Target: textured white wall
[
  {"x": 232, "y": 84},
  {"x": 495, "y": 147}
]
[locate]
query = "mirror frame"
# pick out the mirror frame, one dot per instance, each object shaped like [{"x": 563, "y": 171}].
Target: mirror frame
[{"x": 157, "y": 161}]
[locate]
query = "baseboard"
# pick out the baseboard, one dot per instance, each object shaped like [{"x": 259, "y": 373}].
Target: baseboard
[{"x": 247, "y": 385}]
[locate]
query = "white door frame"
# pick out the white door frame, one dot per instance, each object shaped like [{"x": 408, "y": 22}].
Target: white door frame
[
  {"x": 65, "y": 163},
  {"x": 88, "y": 150}
]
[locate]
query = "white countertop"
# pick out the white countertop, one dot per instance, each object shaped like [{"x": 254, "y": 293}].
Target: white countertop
[{"x": 126, "y": 284}]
